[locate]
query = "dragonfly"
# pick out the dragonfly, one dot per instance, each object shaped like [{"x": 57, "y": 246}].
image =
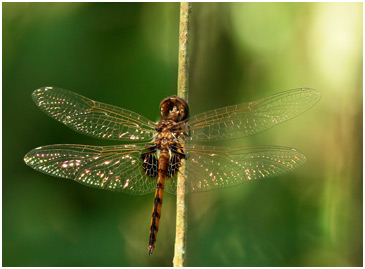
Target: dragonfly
[{"x": 153, "y": 160}]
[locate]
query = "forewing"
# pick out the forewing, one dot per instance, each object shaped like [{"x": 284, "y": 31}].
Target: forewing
[
  {"x": 253, "y": 117},
  {"x": 116, "y": 168},
  {"x": 209, "y": 168},
  {"x": 93, "y": 118}
]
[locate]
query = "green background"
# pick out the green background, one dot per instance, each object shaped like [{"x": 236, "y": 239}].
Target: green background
[{"x": 125, "y": 54}]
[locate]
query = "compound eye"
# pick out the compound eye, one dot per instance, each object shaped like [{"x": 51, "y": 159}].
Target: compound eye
[{"x": 174, "y": 106}]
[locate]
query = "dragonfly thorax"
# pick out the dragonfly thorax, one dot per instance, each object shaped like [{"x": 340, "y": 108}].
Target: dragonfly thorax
[{"x": 167, "y": 134}]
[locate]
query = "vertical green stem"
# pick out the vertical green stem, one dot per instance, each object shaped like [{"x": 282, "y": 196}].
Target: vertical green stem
[
  {"x": 182, "y": 91},
  {"x": 183, "y": 72}
]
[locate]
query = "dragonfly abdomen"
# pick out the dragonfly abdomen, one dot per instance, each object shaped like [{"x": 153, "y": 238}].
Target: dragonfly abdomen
[{"x": 163, "y": 163}]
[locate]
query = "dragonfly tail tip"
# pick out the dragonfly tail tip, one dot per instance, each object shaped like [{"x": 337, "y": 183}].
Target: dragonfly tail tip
[{"x": 150, "y": 250}]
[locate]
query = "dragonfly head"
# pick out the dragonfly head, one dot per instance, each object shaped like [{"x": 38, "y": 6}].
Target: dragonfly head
[{"x": 174, "y": 108}]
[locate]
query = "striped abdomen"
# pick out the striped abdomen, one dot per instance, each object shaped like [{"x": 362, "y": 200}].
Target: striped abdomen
[{"x": 163, "y": 163}]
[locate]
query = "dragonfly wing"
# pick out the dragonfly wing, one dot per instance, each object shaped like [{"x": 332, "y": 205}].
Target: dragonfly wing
[
  {"x": 116, "y": 168},
  {"x": 171, "y": 185},
  {"x": 209, "y": 168},
  {"x": 253, "y": 117},
  {"x": 93, "y": 118}
]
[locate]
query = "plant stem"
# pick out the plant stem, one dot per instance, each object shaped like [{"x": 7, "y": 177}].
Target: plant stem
[
  {"x": 183, "y": 72},
  {"x": 182, "y": 91}
]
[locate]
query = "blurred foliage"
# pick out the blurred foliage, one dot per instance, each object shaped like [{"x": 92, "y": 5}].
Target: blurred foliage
[{"x": 125, "y": 54}]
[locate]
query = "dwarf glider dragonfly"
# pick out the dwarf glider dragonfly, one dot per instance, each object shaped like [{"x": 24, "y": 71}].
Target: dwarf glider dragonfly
[{"x": 152, "y": 164}]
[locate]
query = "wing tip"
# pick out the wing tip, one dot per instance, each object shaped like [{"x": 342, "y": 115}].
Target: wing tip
[
  {"x": 42, "y": 89},
  {"x": 37, "y": 94},
  {"x": 299, "y": 156},
  {"x": 32, "y": 153},
  {"x": 313, "y": 92},
  {"x": 28, "y": 157}
]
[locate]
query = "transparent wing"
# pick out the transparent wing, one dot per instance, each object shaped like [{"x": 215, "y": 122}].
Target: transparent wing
[
  {"x": 171, "y": 184},
  {"x": 93, "y": 118},
  {"x": 116, "y": 168},
  {"x": 209, "y": 168},
  {"x": 253, "y": 117}
]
